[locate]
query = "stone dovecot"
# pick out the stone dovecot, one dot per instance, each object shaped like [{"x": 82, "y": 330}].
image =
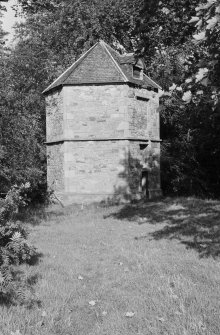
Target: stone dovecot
[{"x": 103, "y": 139}]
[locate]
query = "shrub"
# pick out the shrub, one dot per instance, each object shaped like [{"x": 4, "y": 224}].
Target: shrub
[{"x": 14, "y": 247}]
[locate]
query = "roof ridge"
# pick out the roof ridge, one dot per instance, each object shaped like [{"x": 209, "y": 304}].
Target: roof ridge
[
  {"x": 103, "y": 44},
  {"x": 109, "y": 46}
]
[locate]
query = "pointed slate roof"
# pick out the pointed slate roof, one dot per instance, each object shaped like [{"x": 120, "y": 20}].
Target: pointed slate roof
[{"x": 102, "y": 64}]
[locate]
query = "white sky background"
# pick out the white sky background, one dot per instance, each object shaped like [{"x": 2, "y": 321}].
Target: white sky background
[{"x": 9, "y": 19}]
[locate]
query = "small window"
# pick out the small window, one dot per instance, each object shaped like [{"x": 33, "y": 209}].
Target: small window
[
  {"x": 142, "y": 98},
  {"x": 137, "y": 72},
  {"x": 143, "y": 146}
]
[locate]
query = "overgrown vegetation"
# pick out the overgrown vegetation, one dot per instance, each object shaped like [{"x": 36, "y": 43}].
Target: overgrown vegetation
[
  {"x": 179, "y": 40},
  {"x": 14, "y": 247}
]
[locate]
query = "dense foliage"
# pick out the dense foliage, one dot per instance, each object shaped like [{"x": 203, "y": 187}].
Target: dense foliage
[
  {"x": 179, "y": 41},
  {"x": 14, "y": 247},
  {"x": 182, "y": 39}
]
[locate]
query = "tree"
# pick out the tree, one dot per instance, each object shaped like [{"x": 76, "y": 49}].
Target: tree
[
  {"x": 181, "y": 60},
  {"x": 21, "y": 125}
]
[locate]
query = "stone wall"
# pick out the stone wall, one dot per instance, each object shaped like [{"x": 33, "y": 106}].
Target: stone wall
[
  {"x": 55, "y": 167},
  {"x": 152, "y": 164},
  {"x": 105, "y": 134},
  {"x": 94, "y": 112},
  {"x": 54, "y": 116},
  {"x": 144, "y": 120},
  {"x": 96, "y": 167},
  {"x": 102, "y": 111},
  {"x": 145, "y": 157},
  {"x": 110, "y": 170}
]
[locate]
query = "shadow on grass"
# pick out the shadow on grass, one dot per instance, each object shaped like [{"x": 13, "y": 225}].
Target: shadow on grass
[
  {"x": 35, "y": 259},
  {"x": 21, "y": 288},
  {"x": 38, "y": 215},
  {"x": 194, "y": 222},
  {"x": 21, "y": 291}
]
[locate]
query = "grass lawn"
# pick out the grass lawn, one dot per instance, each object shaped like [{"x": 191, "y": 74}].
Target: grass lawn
[{"x": 158, "y": 262}]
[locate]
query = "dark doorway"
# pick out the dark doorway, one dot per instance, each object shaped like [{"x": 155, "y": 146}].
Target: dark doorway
[{"x": 144, "y": 184}]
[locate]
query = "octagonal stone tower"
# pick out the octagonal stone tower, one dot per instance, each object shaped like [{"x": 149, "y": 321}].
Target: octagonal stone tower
[{"x": 103, "y": 139}]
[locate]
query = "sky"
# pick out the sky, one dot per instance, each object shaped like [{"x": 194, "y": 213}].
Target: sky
[{"x": 9, "y": 19}]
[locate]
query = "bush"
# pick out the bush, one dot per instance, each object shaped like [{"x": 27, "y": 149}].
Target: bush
[{"x": 14, "y": 248}]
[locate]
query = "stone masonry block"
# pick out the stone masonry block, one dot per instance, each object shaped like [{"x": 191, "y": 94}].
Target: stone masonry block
[{"x": 100, "y": 129}]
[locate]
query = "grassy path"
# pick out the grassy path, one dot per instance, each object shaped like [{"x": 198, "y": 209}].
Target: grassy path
[{"x": 144, "y": 269}]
